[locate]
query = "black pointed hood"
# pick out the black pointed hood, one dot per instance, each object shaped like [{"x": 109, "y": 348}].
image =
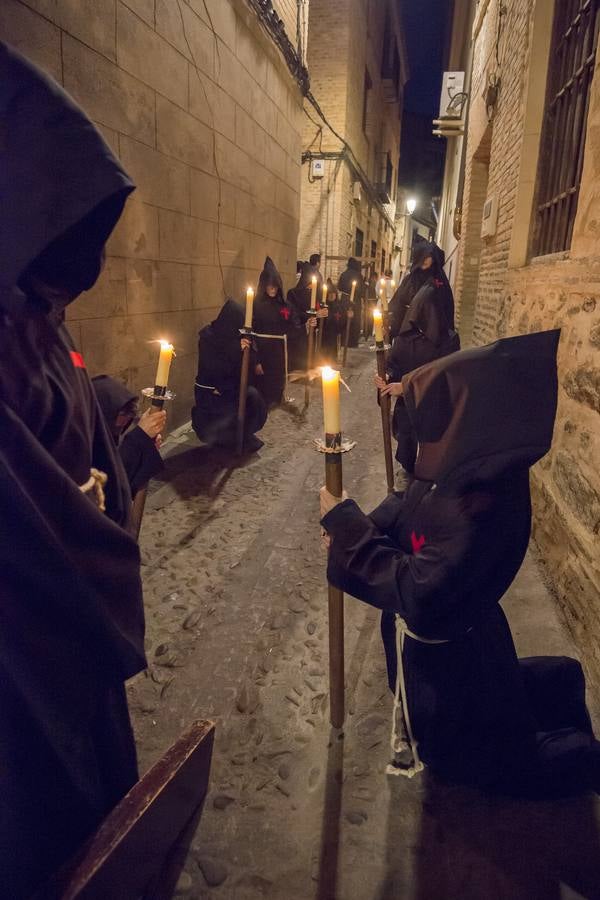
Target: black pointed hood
[
  {"x": 62, "y": 189},
  {"x": 478, "y": 413},
  {"x": 307, "y": 273},
  {"x": 431, "y": 308},
  {"x": 269, "y": 275},
  {"x": 229, "y": 321}
]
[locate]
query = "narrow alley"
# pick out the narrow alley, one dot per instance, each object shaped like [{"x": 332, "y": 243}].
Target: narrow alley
[{"x": 234, "y": 580}]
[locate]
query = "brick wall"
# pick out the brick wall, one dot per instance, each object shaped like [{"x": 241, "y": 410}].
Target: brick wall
[
  {"x": 560, "y": 291},
  {"x": 208, "y": 126},
  {"x": 345, "y": 37}
]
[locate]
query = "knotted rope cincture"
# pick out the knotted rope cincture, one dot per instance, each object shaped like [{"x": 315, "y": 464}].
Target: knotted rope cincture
[
  {"x": 405, "y": 760},
  {"x": 278, "y": 337},
  {"x": 95, "y": 485}
]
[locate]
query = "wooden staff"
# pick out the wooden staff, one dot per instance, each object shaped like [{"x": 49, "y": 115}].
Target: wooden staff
[
  {"x": 348, "y": 320},
  {"x": 346, "y": 337},
  {"x": 241, "y": 416},
  {"x": 139, "y": 501},
  {"x": 384, "y": 402},
  {"x": 310, "y": 352},
  {"x": 334, "y": 484},
  {"x": 246, "y": 332},
  {"x": 310, "y": 362},
  {"x": 321, "y": 323}
]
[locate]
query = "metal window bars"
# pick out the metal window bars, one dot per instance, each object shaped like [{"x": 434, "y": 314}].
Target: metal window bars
[{"x": 571, "y": 69}]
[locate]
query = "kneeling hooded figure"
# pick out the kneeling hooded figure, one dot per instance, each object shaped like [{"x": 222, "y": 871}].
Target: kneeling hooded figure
[
  {"x": 217, "y": 389},
  {"x": 437, "y": 561}
]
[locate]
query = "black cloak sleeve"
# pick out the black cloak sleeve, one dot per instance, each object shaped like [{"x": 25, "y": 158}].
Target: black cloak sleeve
[
  {"x": 141, "y": 459},
  {"x": 367, "y": 563}
]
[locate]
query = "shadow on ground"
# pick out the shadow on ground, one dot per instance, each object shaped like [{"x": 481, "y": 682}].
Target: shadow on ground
[{"x": 471, "y": 845}]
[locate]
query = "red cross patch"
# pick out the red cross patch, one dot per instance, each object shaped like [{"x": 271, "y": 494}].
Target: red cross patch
[
  {"x": 417, "y": 542},
  {"x": 284, "y": 313},
  {"x": 77, "y": 360}
]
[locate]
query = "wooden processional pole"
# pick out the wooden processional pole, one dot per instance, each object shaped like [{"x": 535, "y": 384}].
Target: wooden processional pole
[
  {"x": 310, "y": 352},
  {"x": 348, "y": 320},
  {"x": 384, "y": 400},
  {"x": 158, "y": 394},
  {"x": 246, "y": 331},
  {"x": 333, "y": 448}
]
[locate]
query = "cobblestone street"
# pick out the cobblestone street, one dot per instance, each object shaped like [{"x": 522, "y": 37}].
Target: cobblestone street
[{"x": 237, "y": 631}]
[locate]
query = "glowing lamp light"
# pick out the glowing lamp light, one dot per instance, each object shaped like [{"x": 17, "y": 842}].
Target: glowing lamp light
[{"x": 411, "y": 205}]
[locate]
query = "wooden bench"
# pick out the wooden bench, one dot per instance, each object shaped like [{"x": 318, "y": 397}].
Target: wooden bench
[{"x": 139, "y": 850}]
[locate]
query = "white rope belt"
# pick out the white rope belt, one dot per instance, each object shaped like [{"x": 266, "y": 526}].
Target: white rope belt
[
  {"x": 279, "y": 337},
  {"x": 95, "y": 485},
  {"x": 405, "y": 759}
]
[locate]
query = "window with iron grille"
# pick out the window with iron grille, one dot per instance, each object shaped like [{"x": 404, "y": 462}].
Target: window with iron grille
[
  {"x": 572, "y": 58},
  {"x": 359, "y": 239}
]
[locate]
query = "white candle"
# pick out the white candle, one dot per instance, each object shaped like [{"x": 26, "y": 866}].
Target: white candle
[
  {"x": 324, "y": 298},
  {"x": 352, "y": 292},
  {"x": 249, "y": 307},
  {"x": 384, "y": 300},
  {"x": 331, "y": 400},
  {"x": 164, "y": 364},
  {"x": 313, "y": 293},
  {"x": 378, "y": 325}
]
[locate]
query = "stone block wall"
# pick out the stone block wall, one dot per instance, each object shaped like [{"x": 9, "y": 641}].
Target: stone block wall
[
  {"x": 501, "y": 44},
  {"x": 345, "y": 38},
  {"x": 516, "y": 294},
  {"x": 198, "y": 104},
  {"x": 565, "y": 293}
]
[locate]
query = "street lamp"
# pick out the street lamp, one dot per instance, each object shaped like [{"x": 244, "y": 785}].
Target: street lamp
[{"x": 411, "y": 205}]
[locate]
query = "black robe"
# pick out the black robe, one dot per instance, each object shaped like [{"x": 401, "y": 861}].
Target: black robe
[
  {"x": 275, "y": 316},
  {"x": 441, "y": 557},
  {"x": 217, "y": 390},
  {"x": 412, "y": 282},
  {"x": 299, "y": 298},
  {"x": 139, "y": 455},
  {"x": 72, "y": 628},
  {"x": 352, "y": 273},
  {"x": 332, "y": 326},
  {"x": 427, "y": 333}
]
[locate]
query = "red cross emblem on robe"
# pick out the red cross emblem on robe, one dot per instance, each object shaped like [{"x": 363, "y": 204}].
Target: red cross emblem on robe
[{"x": 417, "y": 542}]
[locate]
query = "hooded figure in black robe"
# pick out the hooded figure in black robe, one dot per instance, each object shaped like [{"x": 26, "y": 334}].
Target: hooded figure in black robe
[
  {"x": 275, "y": 316},
  {"x": 72, "y": 624},
  {"x": 412, "y": 282},
  {"x": 426, "y": 333},
  {"x": 333, "y": 325},
  {"x": 138, "y": 451},
  {"x": 352, "y": 273},
  {"x": 217, "y": 391},
  {"x": 299, "y": 298},
  {"x": 437, "y": 561}
]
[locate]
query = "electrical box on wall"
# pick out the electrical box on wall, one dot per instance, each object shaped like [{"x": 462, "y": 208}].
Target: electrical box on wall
[
  {"x": 453, "y": 97},
  {"x": 317, "y": 168},
  {"x": 490, "y": 217}
]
